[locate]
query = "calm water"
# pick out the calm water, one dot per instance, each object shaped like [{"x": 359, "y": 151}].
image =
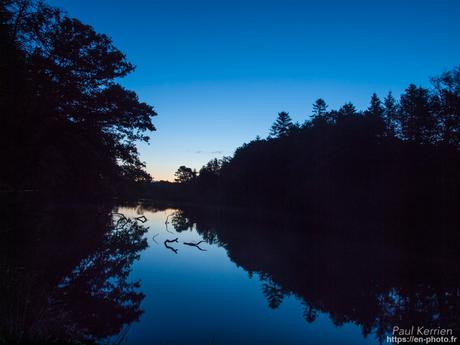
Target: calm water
[
  {"x": 203, "y": 297},
  {"x": 95, "y": 273}
]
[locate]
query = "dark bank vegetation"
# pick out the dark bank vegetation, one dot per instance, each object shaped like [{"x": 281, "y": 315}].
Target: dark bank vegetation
[
  {"x": 395, "y": 165},
  {"x": 392, "y": 149},
  {"x": 365, "y": 199},
  {"x": 67, "y": 127}
]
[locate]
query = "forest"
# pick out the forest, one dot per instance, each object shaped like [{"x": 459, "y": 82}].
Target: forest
[
  {"x": 393, "y": 166},
  {"x": 354, "y": 213},
  {"x": 68, "y": 128},
  {"x": 392, "y": 153}
]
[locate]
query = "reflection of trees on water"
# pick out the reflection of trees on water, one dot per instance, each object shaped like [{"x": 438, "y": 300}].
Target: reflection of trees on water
[
  {"x": 273, "y": 293},
  {"x": 365, "y": 283},
  {"x": 65, "y": 275},
  {"x": 180, "y": 222}
]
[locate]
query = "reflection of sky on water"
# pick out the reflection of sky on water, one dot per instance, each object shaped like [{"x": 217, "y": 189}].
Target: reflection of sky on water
[{"x": 201, "y": 297}]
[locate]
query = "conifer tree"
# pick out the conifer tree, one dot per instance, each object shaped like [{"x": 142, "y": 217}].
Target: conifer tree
[{"x": 281, "y": 126}]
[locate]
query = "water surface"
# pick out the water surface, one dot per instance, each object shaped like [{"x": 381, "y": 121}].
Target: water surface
[
  {"x": 203, "y": 297},
  {"x": 76, "y": 273}
]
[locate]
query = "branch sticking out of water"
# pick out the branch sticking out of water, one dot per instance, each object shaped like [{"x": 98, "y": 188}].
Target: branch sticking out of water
[
  {"x": 170, "y": 241},
  {"x": 195, "y": 245}
]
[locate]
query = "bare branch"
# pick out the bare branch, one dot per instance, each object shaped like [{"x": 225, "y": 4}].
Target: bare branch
[
  {"x": 195, "y": 245},
  {"x": 171, "y": 241}
]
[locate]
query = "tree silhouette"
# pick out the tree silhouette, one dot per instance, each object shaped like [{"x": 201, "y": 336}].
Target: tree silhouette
[
  {"x": 375, "y": 108},
  {"x": 390, "y": 115},
  {"x": 375, "y": 114},
  {"x": 418, "y": 123},
  {"x": 447, "y": 86},
  {"x": 212, "y": 167},
  {"x": 281, "y": 126},
  {"x": 319, "y": 108},
  {"x": 59, "y": 94},
  {"x": 273, "y": 293},
  {"x": 184, "y": 174},
  {"x": 393, "y": 155},
  {"x": 347, "y": 110}
]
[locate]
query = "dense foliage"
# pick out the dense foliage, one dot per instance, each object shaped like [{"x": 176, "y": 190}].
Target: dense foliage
[
  {"x": 393, "y": 161},
  {"x": 66, "y": 124}
]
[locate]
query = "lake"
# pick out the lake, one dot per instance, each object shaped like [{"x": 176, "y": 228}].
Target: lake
[
  {"x": 203, "y": 297},
  {"x": 229, "y": 278}
]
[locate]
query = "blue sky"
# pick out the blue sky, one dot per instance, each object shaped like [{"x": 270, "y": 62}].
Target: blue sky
[{"x": 218, "y": 72}]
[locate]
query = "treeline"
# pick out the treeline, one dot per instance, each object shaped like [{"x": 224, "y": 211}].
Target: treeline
[
  {"x": 395, "y": 160},
  {"x": 67, "y": 127}
]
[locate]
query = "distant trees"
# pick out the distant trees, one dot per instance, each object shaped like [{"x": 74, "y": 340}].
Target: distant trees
[
  {"x": 66, "y": 123},
  {"x": 213, "y": 167},
  {"x": 392, "y": 153},
  {"x": 417, "y": 121},
  {"x": 375, "y": 108},
  {"x": 281, "y": 126},
  {"x": 421, "y": 116},
  {"x": 390, "y": 115},
  {"x": 319, "y": 108},
  {"x": 447, "y": 87},
  {"x": 184, "y": 174},
  {"x": 375, "y": 116},
  {"x": 347, "y": 110}
]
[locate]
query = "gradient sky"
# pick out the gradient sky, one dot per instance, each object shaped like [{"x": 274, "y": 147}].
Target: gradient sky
[{"x": 218, "y": 72}]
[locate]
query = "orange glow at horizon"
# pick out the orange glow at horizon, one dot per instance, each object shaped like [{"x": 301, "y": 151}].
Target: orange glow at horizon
[{"x": 159, "y": 174}]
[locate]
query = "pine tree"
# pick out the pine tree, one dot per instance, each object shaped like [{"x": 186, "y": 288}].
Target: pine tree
[
  {"x": 374, "y": 117},
  {"x": 390, "y": 116},
  {"x": 447, "y": 87},
  {"x": 418, "y": 123},
  {"x": 281, "y": 126},
  {"x": 348, "y": 109},
  {"x": 375, "y": 109},
  {"x": 319, "y": 108}
]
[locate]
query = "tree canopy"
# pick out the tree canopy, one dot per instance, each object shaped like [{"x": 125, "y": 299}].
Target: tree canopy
[
  {"x": 281, "y": 126},
  {"x": 184, "y": 174},
  {"x": 66, "y": 122},
  {"x": 395, "y": 157},
  {"x": 319, "y": 108}
]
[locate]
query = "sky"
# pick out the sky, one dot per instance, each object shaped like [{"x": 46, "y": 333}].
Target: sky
[{"x": 218, "y": 72}]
